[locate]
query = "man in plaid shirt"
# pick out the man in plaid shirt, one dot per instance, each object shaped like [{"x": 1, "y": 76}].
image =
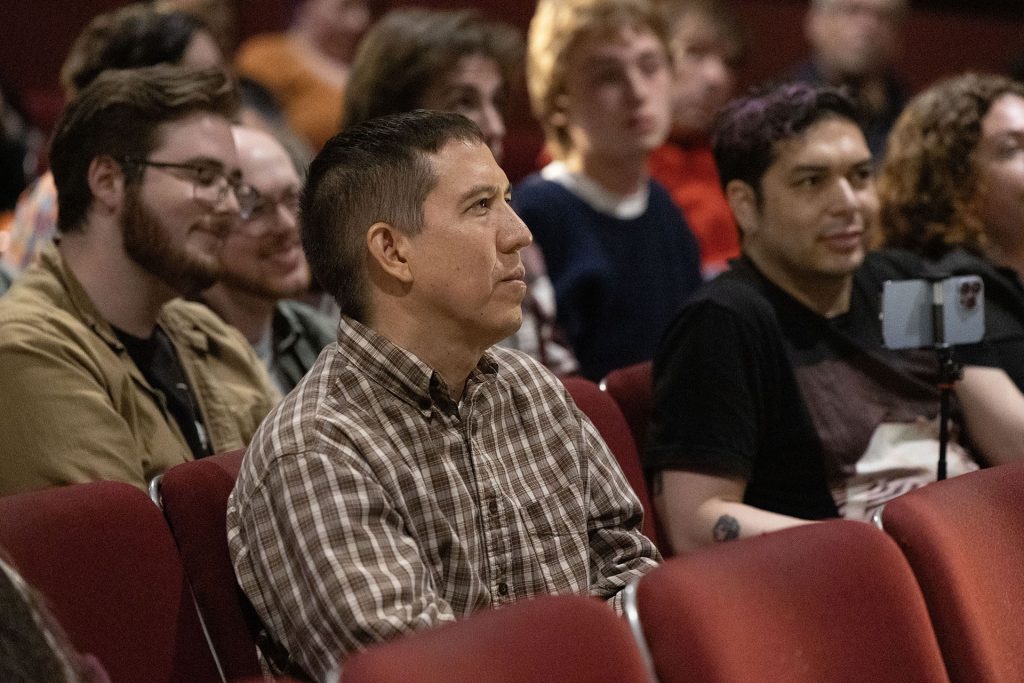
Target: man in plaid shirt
[{"x": 419, "y": 474}]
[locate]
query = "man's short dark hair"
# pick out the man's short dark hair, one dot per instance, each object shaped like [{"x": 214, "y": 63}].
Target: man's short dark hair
[
  {"x": 130, "y": 37},
  {"x": 409, "y": 50},
  {"x": 750, "y": 128},
  {"x": 377, "y": 171},
  {"x": 118, "y": 115}
]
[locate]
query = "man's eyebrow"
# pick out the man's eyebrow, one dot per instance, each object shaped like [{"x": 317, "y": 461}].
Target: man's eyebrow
[
  {"x": 206, "y": 161},
  {"x": 600, "y": 61},
  {"x": 476, "y": 190},
  {"x": 808, "y": 168},
  {"x": 825, "y": 168}
]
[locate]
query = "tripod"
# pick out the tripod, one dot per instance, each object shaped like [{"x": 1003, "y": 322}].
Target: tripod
[{"x": 949, "y": 372}]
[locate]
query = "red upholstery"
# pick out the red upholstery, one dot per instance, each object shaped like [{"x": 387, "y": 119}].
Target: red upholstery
[
  {"x": 607, "y": 417},
  {"x": 564, "y": 638},
  {"x": 194, "y": 496},
  {"x": 964, "y": 539},
  {"x": 102, "y": 555},
  {"x": 834, "y": 601},
  {"x": 631, "y": 387}
]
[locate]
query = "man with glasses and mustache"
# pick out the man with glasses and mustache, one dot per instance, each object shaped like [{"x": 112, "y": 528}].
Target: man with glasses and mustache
[
  {"x": 104, "y": 372},
  {"x": 264, "y": 265}
]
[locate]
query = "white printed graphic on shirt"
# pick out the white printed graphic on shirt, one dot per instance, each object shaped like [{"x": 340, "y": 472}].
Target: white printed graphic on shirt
[{"x": 900, "y": 457}]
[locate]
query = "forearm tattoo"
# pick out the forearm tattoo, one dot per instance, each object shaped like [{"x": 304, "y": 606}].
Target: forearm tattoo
[{"x": 727, "y": 528}]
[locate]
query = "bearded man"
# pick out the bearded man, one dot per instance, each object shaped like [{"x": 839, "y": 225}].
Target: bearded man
[
  {"x": 104, "y": 372},
  {"x": 265, "y": 267}
]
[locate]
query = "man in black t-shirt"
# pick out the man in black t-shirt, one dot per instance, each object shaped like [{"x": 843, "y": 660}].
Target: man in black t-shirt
[{"x": 775, "y": 400}]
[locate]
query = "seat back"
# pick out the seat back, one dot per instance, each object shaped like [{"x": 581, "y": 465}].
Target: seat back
[
  {"x": 632, "y": 389},
  {"x": 103, "y": 558},
  {"x": 963, "y": 539},
  {"x": 834, "y": 601},
  {"x": 603, "y": 411},
  {"x": 194, "y": 497},
  {"x": 566, "y": 638}
]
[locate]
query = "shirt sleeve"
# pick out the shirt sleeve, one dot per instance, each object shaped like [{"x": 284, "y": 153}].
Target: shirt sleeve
[
  {"x": 708, "y": 394},
  {"x": 334, "y": 560},
  {"x": 619, "y": 552},
  {"x": 57, "y": 414}
]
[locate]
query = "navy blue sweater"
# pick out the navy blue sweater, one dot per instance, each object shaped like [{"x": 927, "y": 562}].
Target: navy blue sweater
[{"x": 617, "y": 282}]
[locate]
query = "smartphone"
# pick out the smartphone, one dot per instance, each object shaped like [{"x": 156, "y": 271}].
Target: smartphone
[{"x": 912, "y": 310}]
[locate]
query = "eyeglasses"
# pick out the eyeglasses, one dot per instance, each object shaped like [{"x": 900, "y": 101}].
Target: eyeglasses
[
  {"x": 210, "y": 182},
  {"x": 253, "y": 204}
]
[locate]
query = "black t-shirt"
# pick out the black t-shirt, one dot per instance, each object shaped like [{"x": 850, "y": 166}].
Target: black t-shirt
[
  {"x": 156, "y": 359},
  {"x": 750, "y": 383},
  {"x": 726, "y": 401}
]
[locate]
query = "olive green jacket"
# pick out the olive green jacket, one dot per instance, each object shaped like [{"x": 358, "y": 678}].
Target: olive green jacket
[{"x": 75, "y": 408}]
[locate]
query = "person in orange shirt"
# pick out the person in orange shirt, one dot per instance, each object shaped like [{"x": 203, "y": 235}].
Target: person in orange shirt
[
  {"x": 707, "y": 47},
  {"x": 307, "y": 67}
]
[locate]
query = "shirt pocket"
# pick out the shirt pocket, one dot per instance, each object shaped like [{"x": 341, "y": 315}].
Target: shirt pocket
[
  {"x": 557, "y": 542},
  {"x": 558, "y": 514}
]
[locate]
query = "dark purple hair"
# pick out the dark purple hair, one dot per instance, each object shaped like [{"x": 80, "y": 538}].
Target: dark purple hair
[{"x": 750, "y": 128}]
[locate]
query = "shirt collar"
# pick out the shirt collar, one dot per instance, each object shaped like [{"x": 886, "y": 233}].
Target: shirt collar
[
  {"x": 400, "y": 371},
  {"x": 52, "y": 261},
  {"x": 624, "y": 208}
]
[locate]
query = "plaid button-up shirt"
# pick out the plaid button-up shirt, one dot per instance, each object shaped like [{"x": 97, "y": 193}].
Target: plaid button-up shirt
[{"x": 370, "y": 504}]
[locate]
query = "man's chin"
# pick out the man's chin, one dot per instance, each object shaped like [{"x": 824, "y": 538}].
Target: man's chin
[
  {"x": 265, "y": 288},
  {"x": 512, "y": 326},
  {"x": 190, "y": 279}
]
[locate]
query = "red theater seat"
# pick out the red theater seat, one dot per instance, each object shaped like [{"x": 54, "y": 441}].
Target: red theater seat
[
  {"x": 566, "y": 638},
  {"x": 194, "y": 497},
  {"x": 632, "y": 390},
  {"x": 604, "y": 412},
  {"x": 834, "y": 601},
  {"x": 104, "y": 559},
  {"x": 964, "y": 539}
]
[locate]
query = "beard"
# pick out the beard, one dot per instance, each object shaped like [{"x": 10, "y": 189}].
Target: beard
[
  {"x": 247, "y": 274},
  {"x": 149, "y": 244}
]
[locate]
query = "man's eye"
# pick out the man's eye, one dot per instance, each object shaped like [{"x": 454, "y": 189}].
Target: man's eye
[
  {"x": 206, "y": 175},
  {"x": 862, "y": 176},
  {"x": 606, "y": 76}
]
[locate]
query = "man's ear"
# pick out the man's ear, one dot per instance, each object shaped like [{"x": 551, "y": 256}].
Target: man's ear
[
  {"x": 559, "y": 117},
  {"x": 106, "y": 182},
  {"x": 389, "y": 249},
  {"x": 743, "y": 202}
]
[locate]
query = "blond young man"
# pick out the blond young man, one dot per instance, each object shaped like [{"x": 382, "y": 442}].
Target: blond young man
[{"x": 619, "y": 252}]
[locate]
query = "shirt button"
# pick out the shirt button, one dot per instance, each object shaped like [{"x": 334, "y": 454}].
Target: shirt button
[
  {"x": 492, "y": 507},
  {"x": 502, "y": 589}
]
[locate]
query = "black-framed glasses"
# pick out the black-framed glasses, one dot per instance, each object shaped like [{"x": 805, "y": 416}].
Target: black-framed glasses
[
  {"x": 253, "y": 204},
  {"x": 210, "y": 182}
]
